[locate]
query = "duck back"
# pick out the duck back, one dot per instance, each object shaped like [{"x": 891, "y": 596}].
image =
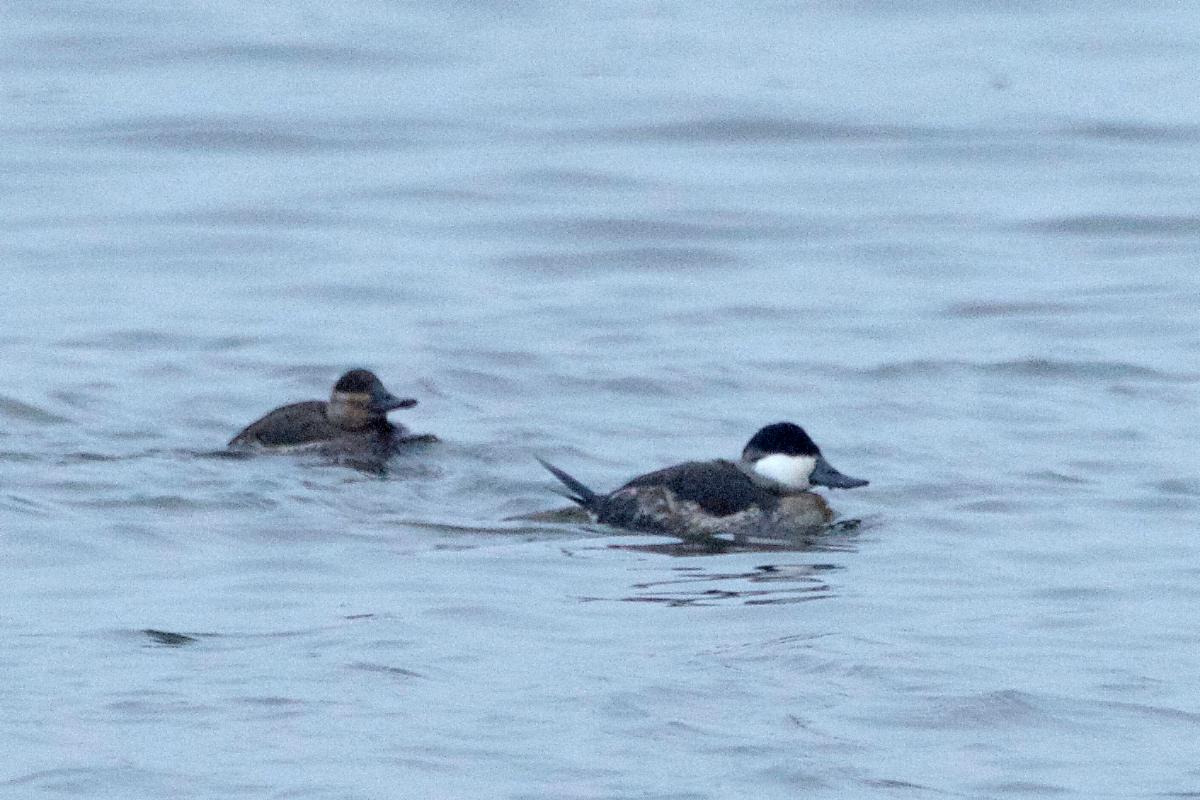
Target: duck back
[
  {"x": 289, "y": 426},
  {"x": 719, "y": 487}
]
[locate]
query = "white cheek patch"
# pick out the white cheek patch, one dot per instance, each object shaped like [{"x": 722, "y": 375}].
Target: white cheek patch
[{"x": 790, "y": 471}]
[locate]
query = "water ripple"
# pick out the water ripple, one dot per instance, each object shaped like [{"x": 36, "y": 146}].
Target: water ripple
[
  {"x": 141, "y": 339},
  {"x": 719, "y": 227},
  {"x": 1119, "y": 225},
  {"x": 984, "y": 710},
  {"x": 983, "y": 309},
  {"x": 384, "y": 669},
  {"x": 303, "y": 54},
  {"x": 169, "y": 638},
  {"x": 572, "y": 261},
  {"x": 262, "y": 135},
  {"x": 13, "y": 409},
  {"x": 1031, "y": 367},
  {"x": 751, "y": 129},
  {"x": 576, "y": 179},
  {"x": 1133, "y": 132}
]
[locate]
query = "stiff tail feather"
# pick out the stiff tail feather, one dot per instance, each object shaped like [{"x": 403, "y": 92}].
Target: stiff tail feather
[{"x": 579, "y": 493}]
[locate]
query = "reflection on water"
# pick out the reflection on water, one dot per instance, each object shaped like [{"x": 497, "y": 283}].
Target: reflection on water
[
  {"x": 711, "y": 583},
  {"x": 769, "y": 584}
]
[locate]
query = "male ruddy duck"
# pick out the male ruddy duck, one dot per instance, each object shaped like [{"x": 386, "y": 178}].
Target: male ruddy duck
[
  {"x": 352, "y": 424},
  {"x": 765, "y": 493}
]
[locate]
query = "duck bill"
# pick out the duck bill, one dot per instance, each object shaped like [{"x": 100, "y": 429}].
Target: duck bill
[
  {"x": 824, "y": 474},
  {"x": 387, "y": 401}
]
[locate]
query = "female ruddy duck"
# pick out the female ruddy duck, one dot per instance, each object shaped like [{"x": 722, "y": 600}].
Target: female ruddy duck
[
  {"x": 352, "y": 424},
  {"x": 765, "y": 493}
]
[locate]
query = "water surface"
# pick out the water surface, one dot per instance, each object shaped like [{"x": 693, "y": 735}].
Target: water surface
[{"x": 956, "y": 242}]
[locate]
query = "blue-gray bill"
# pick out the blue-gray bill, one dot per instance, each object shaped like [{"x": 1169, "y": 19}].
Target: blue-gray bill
[
  {"x": 824, "y": 474},
  {"x": 385, "y": 401}
]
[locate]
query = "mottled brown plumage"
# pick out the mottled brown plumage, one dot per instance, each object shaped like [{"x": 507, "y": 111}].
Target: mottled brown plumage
[
  {"x": 351, "y": 426},
  {"x": 304, "y": 423}
]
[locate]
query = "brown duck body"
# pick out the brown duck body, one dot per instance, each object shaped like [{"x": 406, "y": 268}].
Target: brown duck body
[
  {"x": 351, "y": 427},
  {"x": 308, "y": 423}
]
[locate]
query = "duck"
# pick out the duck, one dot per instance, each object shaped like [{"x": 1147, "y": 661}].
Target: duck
[
  {"x": 351, "y": 426},
  {"x": 767, "y": 492}
]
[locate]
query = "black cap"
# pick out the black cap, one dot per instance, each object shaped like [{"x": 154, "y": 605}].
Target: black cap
[
  {"x": 783, "y": 437},
  {"x": 356, "y": 381}
]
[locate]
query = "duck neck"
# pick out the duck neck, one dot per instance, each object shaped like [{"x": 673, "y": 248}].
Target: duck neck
[{"x": 353, "y": 416}]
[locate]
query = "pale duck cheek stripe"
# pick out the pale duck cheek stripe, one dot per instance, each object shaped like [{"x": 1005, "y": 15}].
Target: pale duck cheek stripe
[
  {"x": 358, "y": 398},
  {"x": 791, "y": 471}
]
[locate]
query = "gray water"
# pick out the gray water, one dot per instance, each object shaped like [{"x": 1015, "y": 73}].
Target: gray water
[{"x": 957, "y": 242}]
